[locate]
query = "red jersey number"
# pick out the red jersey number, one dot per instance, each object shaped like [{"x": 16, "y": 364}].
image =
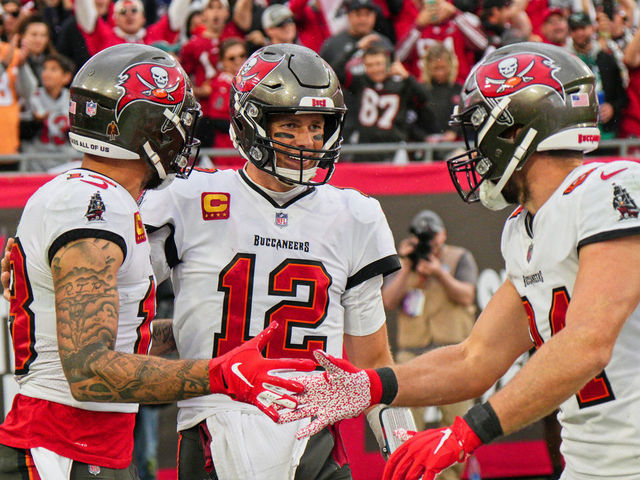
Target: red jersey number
[
  {"x": 597, "y": 390},
  {"x": 21, "y": 318},
  {"x": 236, "y": 281}
]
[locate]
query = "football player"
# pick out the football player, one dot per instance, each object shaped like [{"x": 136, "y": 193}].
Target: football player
[
  {"x": 572, "y": 256},
  {"x": 82, "y": 296},
  {"x": 272, "y": 243}
]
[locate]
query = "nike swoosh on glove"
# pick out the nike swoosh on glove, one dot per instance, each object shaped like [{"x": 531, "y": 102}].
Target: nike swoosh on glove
[
  {"x": 427, "y": 453},
  {"x": 342, "y": 391},
  {"x": 245, "y": 375}
]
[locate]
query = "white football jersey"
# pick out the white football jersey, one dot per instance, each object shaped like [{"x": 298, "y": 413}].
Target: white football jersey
[
  {"x": 77, "y": 204},
  {"x": 241, "y": 261},
  {"x": 595, "y": 203}
]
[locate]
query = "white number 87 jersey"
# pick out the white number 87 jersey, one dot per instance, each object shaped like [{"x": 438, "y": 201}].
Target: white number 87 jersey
[{"x": 595, "y": 203}]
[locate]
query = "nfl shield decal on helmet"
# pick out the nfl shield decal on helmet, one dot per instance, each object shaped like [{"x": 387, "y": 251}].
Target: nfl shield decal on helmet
[
  {"x": 147, "y": 82},
  {"x": 91, "y": 108},
  {"x": 282, "y": 219}
]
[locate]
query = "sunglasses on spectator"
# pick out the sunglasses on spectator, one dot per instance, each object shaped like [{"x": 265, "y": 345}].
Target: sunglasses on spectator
[
  {"x": 285, "y": 22},
  {"x": 242, "y": 56},
  {"x": 14, "y": 14},
  {"x": 123, "y": 11}
]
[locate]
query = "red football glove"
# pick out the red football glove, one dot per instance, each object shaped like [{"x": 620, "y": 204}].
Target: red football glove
[
  {"x": 428, "y": 453},
  {"x": 244, "y": 375},
  {"x": 342, "y": 391}
]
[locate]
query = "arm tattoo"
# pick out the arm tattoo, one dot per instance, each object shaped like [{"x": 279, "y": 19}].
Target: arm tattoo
[
  {"x": 162, "y": 341},
  {"x": 87, "y": 308}
]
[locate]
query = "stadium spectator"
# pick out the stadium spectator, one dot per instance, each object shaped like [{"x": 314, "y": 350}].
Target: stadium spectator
[
  {"x": 200, "y": 57},
  {"x": 129, "y": 24},
  {"x": 566, "y": 247},
  {"x": 12, "y": 13},
  {"x": 343, "y": 51},
  {"x": 55, "y": 12},
  {"x": 49, "y": 107},
  {"x": 308, "y": 15},
  {"x": 278, "y": 24},
  {"x": 609, "y": 87},
  {"x": 438, "y": 21},
  {"x": 499, "y": 19},
  {"x": 434, "y": 292},
  {"x": 324, "y": 287},
  {"x": 71, "y": 42},
  {"x": 382, "y": 97},
  {"x": 347, "y": 47},
  {"x": 233, "y": 53},
  {"x": 439, "y": 72},
  {"x": 35, "y": 40},
  {"x": 630, "y": 124},
  {"x": 555, "y": 29},
  {"x": 85, "y": 366},
  {"x": 16, "y": 82}
]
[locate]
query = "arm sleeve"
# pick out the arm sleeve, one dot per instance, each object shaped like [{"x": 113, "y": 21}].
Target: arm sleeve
[
  {"x": 467, "y": 269},
  {"x": 363, "y": 309}
]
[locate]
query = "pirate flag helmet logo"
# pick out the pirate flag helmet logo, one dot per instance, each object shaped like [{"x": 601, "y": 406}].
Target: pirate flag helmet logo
[{"x": 148, "y": 82}]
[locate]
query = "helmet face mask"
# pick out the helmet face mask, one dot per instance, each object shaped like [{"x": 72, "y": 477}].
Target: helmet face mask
[
  {"x": 521, "y": 99},
  {"x": 134, "y": 102},
  {"x": 286, "y": 79}
]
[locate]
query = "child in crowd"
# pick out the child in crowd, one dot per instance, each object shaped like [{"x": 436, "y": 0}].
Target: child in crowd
[{"x": 50, "y": 108}]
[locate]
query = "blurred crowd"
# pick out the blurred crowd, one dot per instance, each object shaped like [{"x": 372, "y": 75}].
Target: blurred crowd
[{"x": 401, "y": 62}]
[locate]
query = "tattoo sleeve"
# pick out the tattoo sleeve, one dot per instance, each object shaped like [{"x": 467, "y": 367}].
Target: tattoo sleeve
[
  {"x": 86, "y": 291},
  {"x": 162, "y": 341}
]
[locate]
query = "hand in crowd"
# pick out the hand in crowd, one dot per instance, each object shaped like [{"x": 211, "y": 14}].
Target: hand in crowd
[
  {"x": 434, "y": 14},
  {"x": 256, "y": 37},
  {"x": 428, "y": 267},
  {"x": 406, "y": 246},
  {"x": 606, "y": 112},
  {"x": 368, "y": 41},
  {"x": 5, "y": 274},
  {"x": 397, "y": 68}
]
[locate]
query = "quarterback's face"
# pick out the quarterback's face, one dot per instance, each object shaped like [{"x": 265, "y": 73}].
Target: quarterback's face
[{"x": 302, "y": 131}]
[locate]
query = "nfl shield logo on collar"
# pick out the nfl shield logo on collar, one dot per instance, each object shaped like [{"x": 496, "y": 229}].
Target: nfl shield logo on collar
[
  {"x": 94, "y": 469},
  {"x": 282, "y": 219}
]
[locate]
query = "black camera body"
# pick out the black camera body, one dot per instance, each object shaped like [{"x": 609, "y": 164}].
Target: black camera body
[{"x": 423, "y": 247}]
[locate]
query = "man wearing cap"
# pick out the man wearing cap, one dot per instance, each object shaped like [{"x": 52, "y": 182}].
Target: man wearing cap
[
  {"x": 554, "y": 28},
  {"x": 434, "y": 293},
  {"x": 129, "y": 24},
  {"x": 278, "y": 24},
  {"x": 609, "y": 86}
]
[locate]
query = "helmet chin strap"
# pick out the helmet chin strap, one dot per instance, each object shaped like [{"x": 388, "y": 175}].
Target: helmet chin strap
[
  {"x": 293, "y": 174},
  {"x": 491, "y": 193},
  {"x": 154, "y": 158}
]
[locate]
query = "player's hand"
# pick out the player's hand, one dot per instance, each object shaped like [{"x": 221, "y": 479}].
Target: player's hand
[
  {"x": 342, "y": 391},
  {"x": 425, "y": 454},
  {"x": 5, "y": 273},
  {"x": 245, "y": 375}
]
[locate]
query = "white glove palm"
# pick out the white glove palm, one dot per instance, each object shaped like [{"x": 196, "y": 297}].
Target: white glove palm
[{"x": 342, "y": 391}]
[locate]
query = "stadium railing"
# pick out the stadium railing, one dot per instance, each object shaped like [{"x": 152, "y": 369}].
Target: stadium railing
[{"x": 622, "y": 147}]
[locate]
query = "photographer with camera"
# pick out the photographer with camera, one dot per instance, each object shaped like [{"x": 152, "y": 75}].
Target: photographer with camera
[{"x": 434, "y": 293}]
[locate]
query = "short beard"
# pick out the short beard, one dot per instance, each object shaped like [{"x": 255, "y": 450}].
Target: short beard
[{"x": 515, "y": 191}]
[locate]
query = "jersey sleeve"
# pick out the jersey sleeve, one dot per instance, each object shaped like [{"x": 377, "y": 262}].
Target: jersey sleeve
[
  {"x": 88, "y": 213},
  {"x": 607, "y": 207},
  {"x": 363, "y": 308},
  {"x": 158, "y": 210},
  {"x": 372, "y": 249}
]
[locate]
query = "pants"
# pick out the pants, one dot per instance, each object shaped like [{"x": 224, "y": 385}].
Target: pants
[
  {"x": 316, "y": 462},
  {"x": 17, "y": 464}
]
